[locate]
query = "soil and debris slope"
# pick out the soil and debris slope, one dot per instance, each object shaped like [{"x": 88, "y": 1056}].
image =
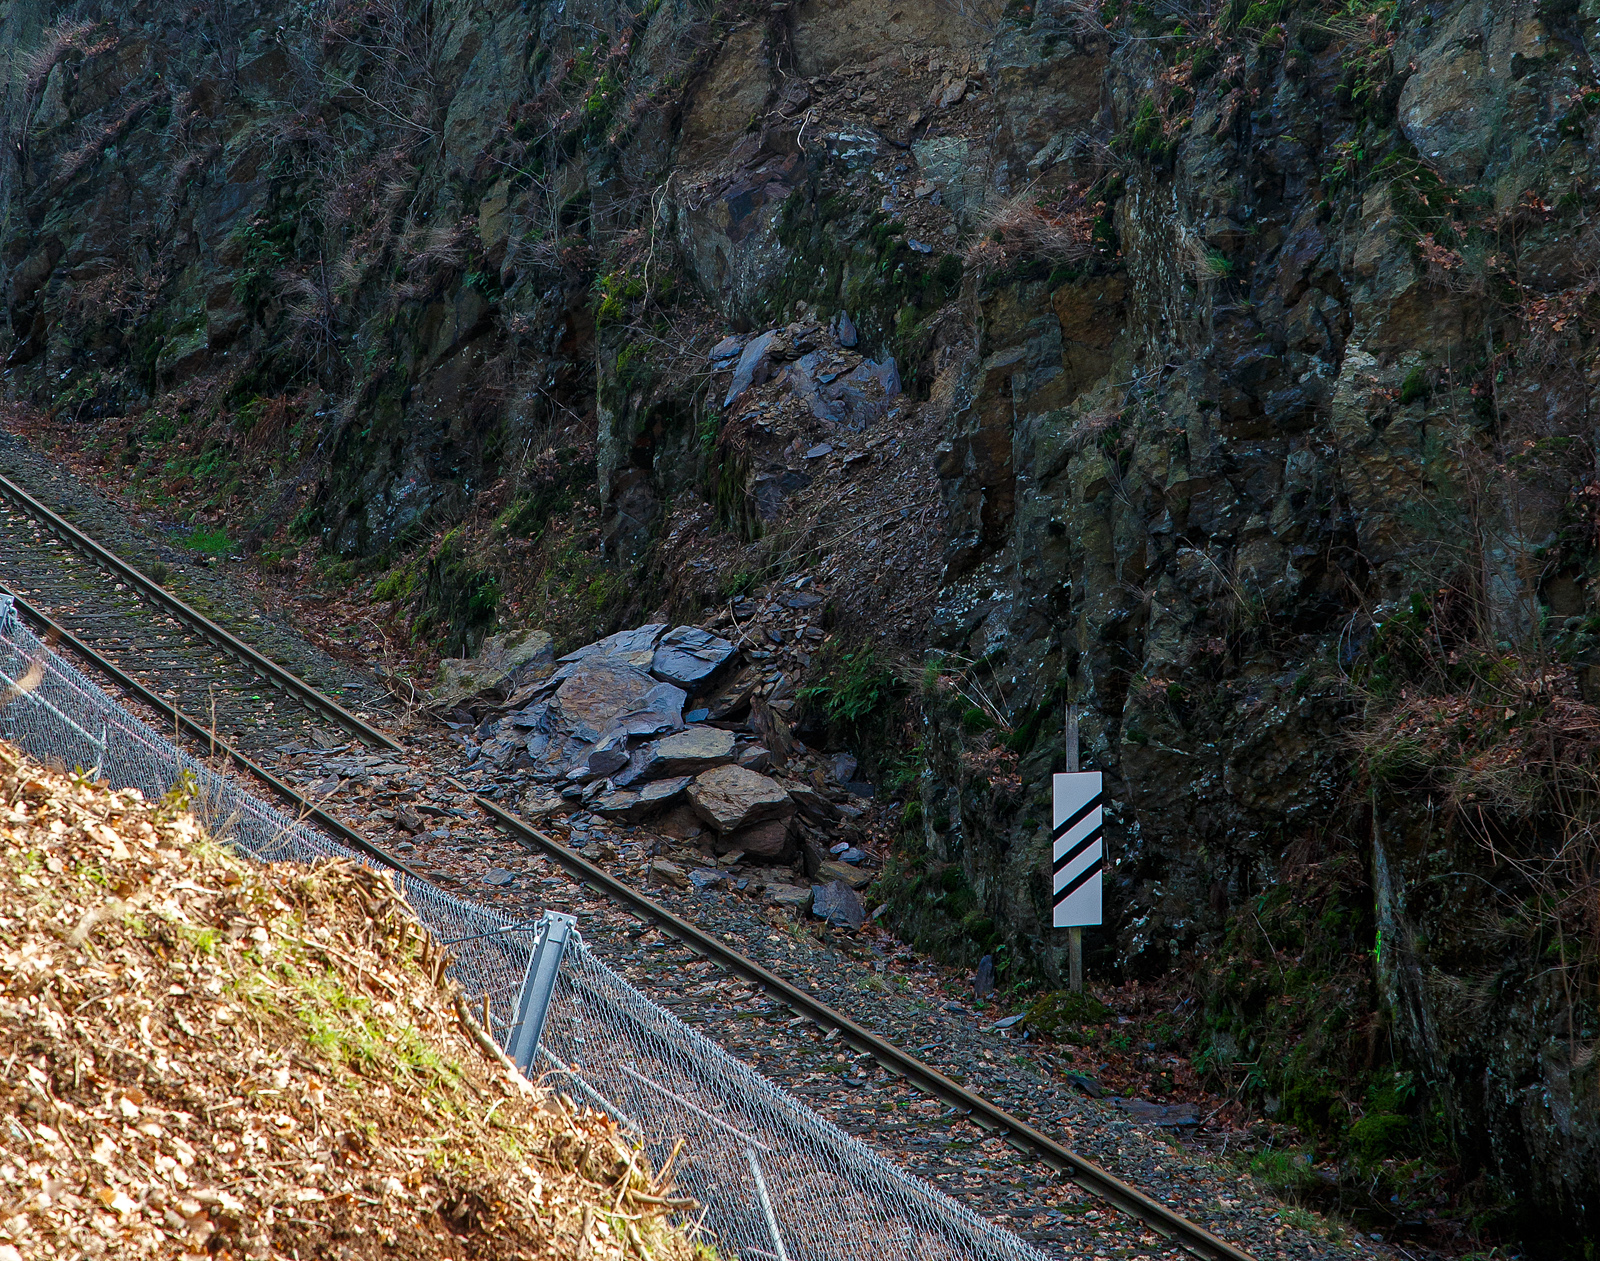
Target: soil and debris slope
[{"x": 207, "y": 1057}]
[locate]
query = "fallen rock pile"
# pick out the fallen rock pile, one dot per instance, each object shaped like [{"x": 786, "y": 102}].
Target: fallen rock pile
[
  {"x": 209, "y": 1058},
  {"x": 679, "y": 729}
]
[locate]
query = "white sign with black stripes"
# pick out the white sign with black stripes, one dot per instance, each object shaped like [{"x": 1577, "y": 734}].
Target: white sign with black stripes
[{"x": 1080, "y": 849}]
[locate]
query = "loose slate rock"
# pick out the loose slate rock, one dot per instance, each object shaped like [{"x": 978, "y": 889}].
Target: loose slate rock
[
  {"x": 662, "y": 792},
  {"x": 499, "y": 876},
  {"x": 727, "y": 348},
  {"x": 663, "y": 872},
  {"x": 983, "y": 982},
  {"x": 1087, "y": 1084},
  {"x": 814, "y": 805},
  {"x": 1177, "y": 1114},
  {"x": 607, "y": 761},
  {"x": 704, "y": 878},
  {"x": 839, "y": 904},
  {"x": 794, "y": 897},
  {"x": 755, "y": 758},
  {"x": 620, "y": 803},
  {"x": 731, "y": 797},
  {"x": 845, "y": 874},
  {"x": 754, "y": 366},
  {"x": 692, "y": 658}
]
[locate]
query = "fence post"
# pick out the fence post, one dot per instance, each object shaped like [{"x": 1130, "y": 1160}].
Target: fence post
[
  {"x": 766, "y": 1204},
  {"x": 8, "y": 612},
  {"x": 538, "y": 987}
]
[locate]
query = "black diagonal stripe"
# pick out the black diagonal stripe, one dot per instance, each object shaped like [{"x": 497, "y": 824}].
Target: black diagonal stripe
[
  {"x": 1081, "y": 813},
  {"x": 1079, "y": 880},
  {"x": 1095, "y": 833}
]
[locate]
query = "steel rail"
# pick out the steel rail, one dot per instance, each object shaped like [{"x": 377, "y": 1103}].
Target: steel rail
[
  {"x": 1085, "y": 1173},
  {"x": 229, "y": 643},
  {"x": 178, "y": 718}
]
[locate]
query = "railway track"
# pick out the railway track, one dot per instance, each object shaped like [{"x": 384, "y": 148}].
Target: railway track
[
  {"x": 181, "y": 643},
  {"x": 234, "y": 702}
]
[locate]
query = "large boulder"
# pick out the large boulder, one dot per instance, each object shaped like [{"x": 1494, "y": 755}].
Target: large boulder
[
  {"x": 606, "y": 695},
  {"x": 686, "y": 752},
  {"x": 692, "y": 658},
  {"x": 771, "y": 840},
  {"x": 634, "y": 647},
  {"x": 731, "y": 797},
  {"x": 503, "y": 664},
  {"x": 839, "y": 904}
]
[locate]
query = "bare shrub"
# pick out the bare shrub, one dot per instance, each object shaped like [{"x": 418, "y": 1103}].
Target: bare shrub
[
  {"x": 1088, "y": 429},
  {"x": 1075, "y": 17},
  {"x": 268, "y": 422},
  {"x": 311, "y": 307}
]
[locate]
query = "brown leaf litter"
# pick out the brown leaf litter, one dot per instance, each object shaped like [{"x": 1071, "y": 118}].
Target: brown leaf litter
[{"x": 207, "y": 1058}]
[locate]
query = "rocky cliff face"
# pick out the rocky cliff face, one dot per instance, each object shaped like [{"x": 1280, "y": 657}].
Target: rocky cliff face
[{"x": 1225, "y": 370}]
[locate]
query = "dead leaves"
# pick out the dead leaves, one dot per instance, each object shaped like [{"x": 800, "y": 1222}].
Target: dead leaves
[{"x": 206, "y": 1057}]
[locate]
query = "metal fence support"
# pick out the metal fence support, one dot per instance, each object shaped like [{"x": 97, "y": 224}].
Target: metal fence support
[
  {"x": 538, "y": 986},
  {"x": 766, "y": 1205}
]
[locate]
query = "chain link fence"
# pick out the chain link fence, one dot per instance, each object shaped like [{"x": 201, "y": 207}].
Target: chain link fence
[{"x": 775, "y": 1179}]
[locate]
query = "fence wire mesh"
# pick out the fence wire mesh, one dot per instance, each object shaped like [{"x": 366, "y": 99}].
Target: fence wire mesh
[{"x": 774, "y": 1179}]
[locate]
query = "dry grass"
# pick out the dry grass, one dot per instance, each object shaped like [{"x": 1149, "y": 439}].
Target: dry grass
[
  {"x": 209, "y": 1058},
  {"x": 81, "y": 158},
  {"x": 1020, "y": 227},
  {"x": 58, "y": 41}
]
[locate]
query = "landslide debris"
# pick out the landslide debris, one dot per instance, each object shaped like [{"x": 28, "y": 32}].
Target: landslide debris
[{"x": 206, "y": 1057}]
